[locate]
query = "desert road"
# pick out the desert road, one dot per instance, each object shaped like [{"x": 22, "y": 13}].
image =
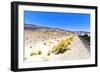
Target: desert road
[{"x": 85, "y": 42}]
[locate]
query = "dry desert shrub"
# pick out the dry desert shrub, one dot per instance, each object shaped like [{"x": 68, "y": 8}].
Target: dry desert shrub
[
  {"x": 36, "y": 52},
  {"x": 63, "y": 45}
]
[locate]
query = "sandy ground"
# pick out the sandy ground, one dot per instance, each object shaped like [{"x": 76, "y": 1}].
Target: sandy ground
[{"x": 78, "y": 51}]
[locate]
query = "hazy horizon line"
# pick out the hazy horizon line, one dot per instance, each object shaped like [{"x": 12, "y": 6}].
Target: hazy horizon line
[{"x": 57, "y": 28}]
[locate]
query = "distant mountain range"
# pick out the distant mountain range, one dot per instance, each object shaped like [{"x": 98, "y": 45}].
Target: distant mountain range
[{"x": 34, "y": 27}]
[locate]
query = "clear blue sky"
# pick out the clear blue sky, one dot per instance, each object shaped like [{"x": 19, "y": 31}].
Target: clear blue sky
[{"x": 67, "y": 21}]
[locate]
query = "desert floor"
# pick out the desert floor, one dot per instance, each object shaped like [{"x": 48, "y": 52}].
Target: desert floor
[{"x": 78, "y": 50}]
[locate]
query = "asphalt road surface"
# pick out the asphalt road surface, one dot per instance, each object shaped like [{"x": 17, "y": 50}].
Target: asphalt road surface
[{"x": 86, "y": 43}]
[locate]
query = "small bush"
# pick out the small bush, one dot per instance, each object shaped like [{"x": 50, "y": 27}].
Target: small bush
[
  {"x": 36, "y": 52},
  {"x": 30, "y": 46},
  {"x": 44, "y": 43},
  {"x": 33, "y": 53},
  {"x": 39, "y": 52},
  {"x": 25, "y": 58}
]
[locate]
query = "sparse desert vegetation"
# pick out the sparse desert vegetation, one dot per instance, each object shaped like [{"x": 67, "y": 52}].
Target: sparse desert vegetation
[{"x": 46, "y": 42}]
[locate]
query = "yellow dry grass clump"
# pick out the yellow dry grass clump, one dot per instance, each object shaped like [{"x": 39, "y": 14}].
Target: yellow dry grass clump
[
  {"x": 35, "y": 52},
  {"x": 63, "y": 44}
]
